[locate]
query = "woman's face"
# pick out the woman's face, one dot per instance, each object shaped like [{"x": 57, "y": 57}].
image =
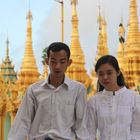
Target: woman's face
[{"x": 107, "y": 76}]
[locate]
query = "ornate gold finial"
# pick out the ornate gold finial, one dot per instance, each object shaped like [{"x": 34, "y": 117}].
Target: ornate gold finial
[
  {"x": 7, "y": 49},
  {"x": 74, "y": 2},
  {"x": 29, "y": 15},
  {"x": 99, "y": 18}
]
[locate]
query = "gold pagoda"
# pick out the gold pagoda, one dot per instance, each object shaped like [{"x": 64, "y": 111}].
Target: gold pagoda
[
  {"x": 77, "y": 69},
  {"x": 102, "y": 48},
  {"x": 9, "y": 95},
  {"x": 28, "y": 72},
  {"x": 132, "y": 48}
]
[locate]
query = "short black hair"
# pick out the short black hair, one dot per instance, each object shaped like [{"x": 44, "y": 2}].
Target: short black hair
[{"x": 58, "y": 46}]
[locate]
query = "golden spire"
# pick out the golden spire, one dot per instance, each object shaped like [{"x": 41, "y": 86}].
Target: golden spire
[
  {"x": 7, "y": 49},
  {"x": 132, "y": 47},
  {"x": 77, "y": 68},
  {"x": 102, "y": 48},
  {"x": 7, "y": 69},
  {"x": 29, "y": 71}
]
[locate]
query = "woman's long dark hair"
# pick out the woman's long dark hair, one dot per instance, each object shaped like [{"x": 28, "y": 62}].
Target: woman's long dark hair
[{"x": 109, "y": 59}]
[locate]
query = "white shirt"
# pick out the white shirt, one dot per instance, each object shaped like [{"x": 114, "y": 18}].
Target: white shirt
[
  {"x": 117, "y": 117},
  {"x": 46, "y": 111}
]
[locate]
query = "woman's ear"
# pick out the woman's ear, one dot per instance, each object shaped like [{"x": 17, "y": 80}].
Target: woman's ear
[{"x": 118, "y": 73}]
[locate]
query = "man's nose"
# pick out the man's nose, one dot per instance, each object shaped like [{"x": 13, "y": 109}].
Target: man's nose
[{"x": 57, "y": 65}]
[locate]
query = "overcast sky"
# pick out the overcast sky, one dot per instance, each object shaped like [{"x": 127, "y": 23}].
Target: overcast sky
[{"x": 46, "y": 26}]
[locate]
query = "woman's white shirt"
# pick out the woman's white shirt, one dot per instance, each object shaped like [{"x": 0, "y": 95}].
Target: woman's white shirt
[{"x": 115, "y": 115}]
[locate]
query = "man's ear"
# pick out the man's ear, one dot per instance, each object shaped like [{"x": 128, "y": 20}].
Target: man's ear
[
  {"x": 70, "y": 61},
  {"x": 47, "y": 60}
]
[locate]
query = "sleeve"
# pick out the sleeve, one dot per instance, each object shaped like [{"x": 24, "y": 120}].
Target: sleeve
[
  {"x": 92, "y": 118},
  {"x": 21, "y": 125},
  {"x": 136, "y": 118},
  {"x": 81, "y": 115}
]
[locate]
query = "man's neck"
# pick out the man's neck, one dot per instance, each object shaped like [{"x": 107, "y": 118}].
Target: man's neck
[{"x": 56, "y": 82}]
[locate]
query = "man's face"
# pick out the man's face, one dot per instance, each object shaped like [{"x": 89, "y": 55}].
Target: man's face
[{"x": 58, "y": 63}]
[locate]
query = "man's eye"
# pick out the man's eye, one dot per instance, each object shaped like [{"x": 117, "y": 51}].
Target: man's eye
[
  {"x": 53, "y": 62},
  {"x": 100, "y": 74}
]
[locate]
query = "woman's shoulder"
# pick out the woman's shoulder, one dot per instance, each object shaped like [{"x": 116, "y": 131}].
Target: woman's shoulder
[
  {"x": 95, "y": 97},
  {"x": 130, "y": 92}
]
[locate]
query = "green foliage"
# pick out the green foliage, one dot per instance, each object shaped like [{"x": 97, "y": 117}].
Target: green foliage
[{"x": 44, "y": 56}]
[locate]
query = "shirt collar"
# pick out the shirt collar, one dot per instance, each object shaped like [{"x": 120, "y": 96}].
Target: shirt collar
[
  {"x": 110, "y": 93},
  {"x": 66, "y": 82}
]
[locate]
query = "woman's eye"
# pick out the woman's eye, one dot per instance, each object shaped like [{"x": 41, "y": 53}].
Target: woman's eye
[{"x": 109, "y": 73}]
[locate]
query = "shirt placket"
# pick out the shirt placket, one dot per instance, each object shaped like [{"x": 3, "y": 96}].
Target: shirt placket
[
  {"x": 53, "y": 113},
  {"x": 113, "y": 118}
]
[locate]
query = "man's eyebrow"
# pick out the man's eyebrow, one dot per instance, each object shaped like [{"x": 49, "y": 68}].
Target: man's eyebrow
[
  {"x": 63, "y": 59},
  {"x": 53, "y": 58},
  {"x": 60, "y": 59},
  {"x": 106, "y": 71}
]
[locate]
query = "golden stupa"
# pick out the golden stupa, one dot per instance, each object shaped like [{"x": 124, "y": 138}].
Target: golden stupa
[
  {"x": 131, "y": 48},
  {"x": 102, "y": 48},
  {"x": 28, "y": 73},
  {"x": 7, "y": 68},
  {"x": 77, "y": 69},
  {"x": 9, "y": 102}
]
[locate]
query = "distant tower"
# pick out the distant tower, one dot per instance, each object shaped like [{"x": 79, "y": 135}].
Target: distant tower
[
  {"x": 77, "y": 70},
  {"x": 7, "y": 69},
  {"x": 132, "y": 47},
  {"x": 9, "y": 93},
  {"x": 28, "y": 72},
  {"x": 102, "y": 48}
]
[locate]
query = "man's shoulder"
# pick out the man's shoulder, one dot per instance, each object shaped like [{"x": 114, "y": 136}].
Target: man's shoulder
[
  {"x": 37, "y": 84},
  {"x": 75, "y": 82}
]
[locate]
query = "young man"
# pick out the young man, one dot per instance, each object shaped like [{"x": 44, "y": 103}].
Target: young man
[{"x": 53, "y": 109}]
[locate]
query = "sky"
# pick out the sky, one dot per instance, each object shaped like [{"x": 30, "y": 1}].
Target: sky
[{"x": 46, "y": 26}]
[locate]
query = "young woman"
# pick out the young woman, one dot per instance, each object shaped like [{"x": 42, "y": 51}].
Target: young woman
[{"x": 114, "y": 110}]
